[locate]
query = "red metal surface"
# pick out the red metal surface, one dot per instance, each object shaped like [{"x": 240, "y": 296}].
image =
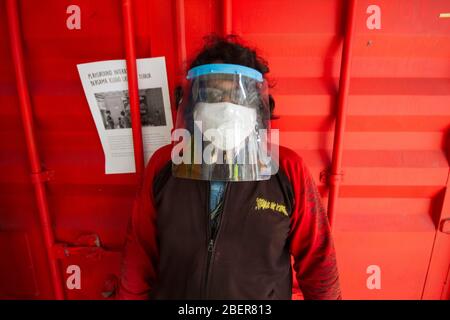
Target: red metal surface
[
  {"x": 180, "y": 23},
  {"x": 439, "y": 269},
  {"x": 227, "y": 17},
  {"x": 133, "y": 85},
  {"x": 344, "y": 86},
  {"x": 37, "y": 172},
  {"x": 17, "y": 266},
  {"x": 392, "y": 201}
]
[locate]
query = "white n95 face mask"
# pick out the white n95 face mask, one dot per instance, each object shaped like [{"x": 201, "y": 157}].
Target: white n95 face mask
[{"x": 225, "y": 124}]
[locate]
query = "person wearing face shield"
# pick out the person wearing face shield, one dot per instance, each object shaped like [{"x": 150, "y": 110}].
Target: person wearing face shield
[{"x": 224, "y": 212}]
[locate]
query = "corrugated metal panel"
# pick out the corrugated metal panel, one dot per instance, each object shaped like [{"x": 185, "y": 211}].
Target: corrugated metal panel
[{"x": 395, "y": 159}]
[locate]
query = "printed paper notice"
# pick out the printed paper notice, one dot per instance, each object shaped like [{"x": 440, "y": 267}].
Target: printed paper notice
[{"x": 106, "y": 88}]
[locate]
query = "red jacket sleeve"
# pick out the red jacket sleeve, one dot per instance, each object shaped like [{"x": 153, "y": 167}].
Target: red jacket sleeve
[
  {"x": 141, "y": 256},
  {"x": 310, "y": 239}
]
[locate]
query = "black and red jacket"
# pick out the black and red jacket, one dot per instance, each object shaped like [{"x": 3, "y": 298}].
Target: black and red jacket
[{"x": 168, "y": 254}]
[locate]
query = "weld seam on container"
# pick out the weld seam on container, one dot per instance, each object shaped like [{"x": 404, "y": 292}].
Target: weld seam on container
[
  {"x": 38, "y": 176},
  {"x": 344, "y": 85},
  {"x": 180, "y": 29},
  {"x": 227, "y": 17},
  {"x": 133, "y": 91}
]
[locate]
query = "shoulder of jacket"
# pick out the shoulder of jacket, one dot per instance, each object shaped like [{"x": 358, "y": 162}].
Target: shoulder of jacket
[
  {"x": 160, "y": 157},
  {"x": 157, "y": 161},
  {"x": 289, "y": 159}
]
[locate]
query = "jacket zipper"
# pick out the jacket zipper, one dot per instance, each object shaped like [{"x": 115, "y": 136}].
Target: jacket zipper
[{"x": 212, "y": 238}]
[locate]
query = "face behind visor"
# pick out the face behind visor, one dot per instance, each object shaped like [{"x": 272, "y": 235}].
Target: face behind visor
[{"x": 225, "y": 125}]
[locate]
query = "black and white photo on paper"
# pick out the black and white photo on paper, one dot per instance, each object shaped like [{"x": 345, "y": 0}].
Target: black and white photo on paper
[{"x": 115, "y": 108}]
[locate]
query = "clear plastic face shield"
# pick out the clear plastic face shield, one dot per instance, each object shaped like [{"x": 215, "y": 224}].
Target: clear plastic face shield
[{"x": 223, "y": 126}]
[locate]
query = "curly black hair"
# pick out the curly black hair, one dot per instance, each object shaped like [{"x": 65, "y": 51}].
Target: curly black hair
[{"x": 230, "y": 49}]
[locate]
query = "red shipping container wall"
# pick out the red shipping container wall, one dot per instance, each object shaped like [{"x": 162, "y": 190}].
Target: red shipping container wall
[{"x": 391, "y": 224}]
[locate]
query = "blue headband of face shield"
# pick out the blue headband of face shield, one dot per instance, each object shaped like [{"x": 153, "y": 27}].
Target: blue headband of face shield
[
  {"x": 226, "y": 69},
  {"x": 210, "y": 88}
]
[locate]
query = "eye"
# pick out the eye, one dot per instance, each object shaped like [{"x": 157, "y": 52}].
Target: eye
[{"x": 212, "y": 95}]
